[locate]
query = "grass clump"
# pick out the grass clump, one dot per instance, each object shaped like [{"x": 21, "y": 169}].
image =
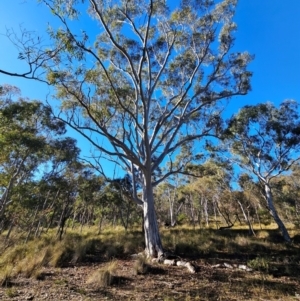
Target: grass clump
[
  {"x": 141, "y": 265},
  {"x": 259, "y": 264},
  {"x": 103, "y": 277},
  {"x": 6, "y": 274},
  {"x": 11, "y": 292},
  {"x": 28, "y": 266}
]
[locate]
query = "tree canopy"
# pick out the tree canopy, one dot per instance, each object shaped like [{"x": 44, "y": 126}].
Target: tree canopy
[
  {"x": 144, "y": 84},
  {"x": 265, "y": 142}
]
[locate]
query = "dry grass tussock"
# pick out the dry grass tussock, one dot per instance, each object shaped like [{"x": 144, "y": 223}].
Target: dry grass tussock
[
  {"x": 18, "y": 258},
  {"x": 103, "y": 277},
  {"x": 108, "y": 267},
  {"x": 141, "y": 265}
]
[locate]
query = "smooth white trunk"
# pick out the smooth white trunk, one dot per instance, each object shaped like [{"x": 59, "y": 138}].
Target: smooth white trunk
[
  {"x": 171, "y": 212},
  {"x": 274, "y": 214},
  {"x": 153, "y": 245},
  {"x": 247, "y": 219}
]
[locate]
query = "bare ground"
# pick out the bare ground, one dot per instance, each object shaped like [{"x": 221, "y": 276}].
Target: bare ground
[{"x": 281, "y": 282}]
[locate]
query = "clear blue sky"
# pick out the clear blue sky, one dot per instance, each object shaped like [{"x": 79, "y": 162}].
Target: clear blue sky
[{"x": 269, "y": 29}]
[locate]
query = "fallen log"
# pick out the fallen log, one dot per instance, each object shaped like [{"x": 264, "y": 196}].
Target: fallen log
[{"x": 232, "y": 266}]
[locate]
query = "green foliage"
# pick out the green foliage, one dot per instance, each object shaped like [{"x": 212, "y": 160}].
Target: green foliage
[
  {"x": 265, "y": 137},
  {"x": 259, "y": 263},
  {"x": 264, "y": 216},
  {"x": 11, "y": 292},
  {"x": 147, "y": 72},
  {"x": 182, "y": 218},
  {"x": 265, "y": 142}
]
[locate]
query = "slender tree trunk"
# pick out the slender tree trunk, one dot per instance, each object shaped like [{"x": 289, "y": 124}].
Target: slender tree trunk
[
  {"x": 32, "y": 224},
  {"x": 114, "y": 219},
  {"x": 82, "y": 219},
  {"x": 73, "y": 220},
  {"x": 54, "y": 210},
  {"x": 257, "y": 216},
  {"x": 274, "y": 214},
  {"x": 37, "y": 231},
  {"x": 215, "y": 214},
  {"x": 9, "y": 230},
  {"x": 176, "y": 214},
  {"x": 51, "y": 219},
  {"x": 205, "y": 212},
  {"x": 4, "y": 200},
  {"x": 171, "y": 198},
  {"x": 124, "y": 220},
  {"x": 192, "y": 210},
  {"x": 127, "y": 216},
  {"x": 152, "y": 237},
  {"x": 101, "y": 218},
  {"x": 171, "y": 212},
  {"x": 200, "y": 211},
  {"x": 2, "y": 224},
  {"x": 247, "y": 219},
  {"x": 63, "y": 218}
]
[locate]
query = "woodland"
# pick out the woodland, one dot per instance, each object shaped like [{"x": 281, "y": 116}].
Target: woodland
[
  {"x": 207, "y": 207},
  {"x": 45, "y": 184}
]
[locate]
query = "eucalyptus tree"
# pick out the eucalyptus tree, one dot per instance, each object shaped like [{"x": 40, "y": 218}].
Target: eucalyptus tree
[
  {"x": 149, "y": 78},
  {"x": 171, "y": 200},
  {"x": 251, "y": 201},
  {"x": 265, "y": 142},
  {"x": 210, "y": 190},
  {"x": 30, "y": 141},
  {"x": 25, "y": 127}
]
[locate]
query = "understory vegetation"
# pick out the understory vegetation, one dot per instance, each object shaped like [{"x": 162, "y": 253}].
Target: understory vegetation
[{"x": 107, "y": 269}]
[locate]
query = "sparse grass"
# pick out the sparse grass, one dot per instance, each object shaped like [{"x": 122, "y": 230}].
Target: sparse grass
[
  {"x": 206, "y": 242},
  {"x": 266, "y": 253},
  {"x": 60, "y": 281}
]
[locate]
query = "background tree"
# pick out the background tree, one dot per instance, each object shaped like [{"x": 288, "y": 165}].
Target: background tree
[
  {"x": 210, "y": 192},
  {"x": 149, "y": 83},
  {"x": 265, "y": 142},
  {"x": 293, "y": 184},
  {"x": 168, "y": 194},
  {"x": 26, "y": 131},
  {"x": 32, "y": 149},
  {"x": 252, "y": 202}
]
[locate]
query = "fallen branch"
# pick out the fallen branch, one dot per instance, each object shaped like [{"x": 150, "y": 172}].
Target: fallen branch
[{"x": 232, "y": 266}]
